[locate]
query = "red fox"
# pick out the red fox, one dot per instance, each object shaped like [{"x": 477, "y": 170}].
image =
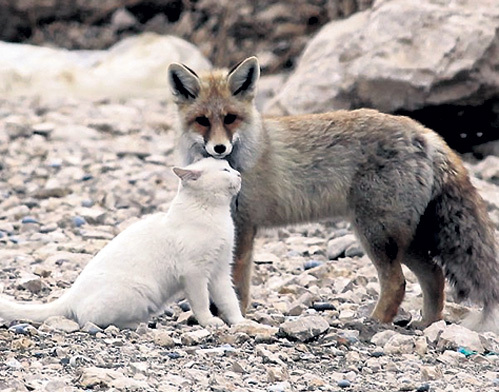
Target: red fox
[{"x": 405, "y": 192}]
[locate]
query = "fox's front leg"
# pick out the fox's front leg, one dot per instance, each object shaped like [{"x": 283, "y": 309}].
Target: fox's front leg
[{"x": 243, "y": 264}]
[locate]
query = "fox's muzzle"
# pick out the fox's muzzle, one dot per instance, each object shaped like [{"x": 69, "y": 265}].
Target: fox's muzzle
[{"x": 220, "y": 150}]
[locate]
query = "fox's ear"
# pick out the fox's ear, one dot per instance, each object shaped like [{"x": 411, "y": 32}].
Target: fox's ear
[
  {"x": 243, "y": 78},
  {"x": 183, "y": 81},
  {"x": 186, "y": 174}
]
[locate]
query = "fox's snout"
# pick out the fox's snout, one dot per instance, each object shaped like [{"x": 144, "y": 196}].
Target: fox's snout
[{"x": 218, "y": 150}]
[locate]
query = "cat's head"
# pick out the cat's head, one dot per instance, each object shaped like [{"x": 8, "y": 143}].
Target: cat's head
[{"x": 210, "y": 176}]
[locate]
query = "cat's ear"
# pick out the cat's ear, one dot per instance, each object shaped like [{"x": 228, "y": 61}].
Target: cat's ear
[
  {"x": 184, "y": 82},
  {"x": 186, "y": 174},
  {"x": 243, "y": 78}
]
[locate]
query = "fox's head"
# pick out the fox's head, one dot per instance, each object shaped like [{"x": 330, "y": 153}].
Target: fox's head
[{"x": 218, "y": 117}]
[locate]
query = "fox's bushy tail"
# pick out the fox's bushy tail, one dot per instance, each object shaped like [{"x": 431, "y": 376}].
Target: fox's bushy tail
[
  {"x": 10, "y": 310},
  {"x": 464, "y": 242}
]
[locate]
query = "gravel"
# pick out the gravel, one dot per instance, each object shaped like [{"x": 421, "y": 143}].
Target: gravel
[{"x": 74, "y": 173}]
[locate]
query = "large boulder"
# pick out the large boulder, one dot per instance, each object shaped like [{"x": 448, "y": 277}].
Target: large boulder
[
  {"x": 136, "y": 66},
  {"x": 399, "y": 55}
]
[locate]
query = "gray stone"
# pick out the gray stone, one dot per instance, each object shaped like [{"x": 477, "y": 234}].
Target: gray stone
[
  {"x": 400, "y": 344},
  {"x": 433, "y": 331},
  {"x": 354, "y": 250},
  {"x": 128, "y": 68},
  {"x": 93, "y": 377},
  {"x": 162, "y": 338},
  {"x": 123, "y": 19},
  {"x": 337, "y": 246},
  {"x": 94, "y": 215},
  {"x": 451, "y": 357},
  {"x": 455, "y": 336},
  {"x": 91, "y": 328},
  {"x": 195, "y": 337},
  {"x": 304, "y": 328},
  {"x": 59, "y": 323},
  {"x": 254, "y": 329},
  {"x": 381, "y": 338},
  {"x": 398, "y": 55},
  {"x": 34, "y": 285}
]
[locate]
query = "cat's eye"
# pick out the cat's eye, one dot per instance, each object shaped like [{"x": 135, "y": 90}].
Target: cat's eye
[
  {"x": 229, "y": 118},
  {"x": 203, "y": 121}
]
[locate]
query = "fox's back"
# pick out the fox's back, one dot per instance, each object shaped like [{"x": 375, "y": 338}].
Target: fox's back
[{"x": 309, "y": 163}]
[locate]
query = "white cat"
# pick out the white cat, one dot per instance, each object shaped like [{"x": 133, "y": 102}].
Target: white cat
[{"x": 188, "y": 248}]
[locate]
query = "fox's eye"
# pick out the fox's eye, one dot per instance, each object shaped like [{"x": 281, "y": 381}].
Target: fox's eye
[
  {"x": 203, "y": 120},
  {"x": 229, "y": 118},
  {"x": 226, "y": 170}
]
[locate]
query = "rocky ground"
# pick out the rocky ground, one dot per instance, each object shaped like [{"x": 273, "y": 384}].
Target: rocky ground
[{"x": 74, "y": 173}]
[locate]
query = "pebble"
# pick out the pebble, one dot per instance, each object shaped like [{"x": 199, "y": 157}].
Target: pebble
[
  {"x": 174, "y": 355},
  {"x": 304, "y": 328},
  {"x": 344, "y": 384},
  {"x": 455, "y": 336},
  {"x": 91, "y": 328},
  {"x": 79, "y": 221},
  {"x": 354, "y": 250},
  {"x": 59, "y": 323},
  {"x": 23, "y": 329},
  {"x": 29, "y": 219},
  {"x": 34, "y": 285},
  {"x": 162, "y": 338},
  {"x": 94, "y": 216},
  {"x": 322, "y": 306},
  {"x": 13, "y": 363},
  {"x": 280, "y": 387},
  {"x": 87, "y": 203},
  {"x": 93, "y": 377},
  {"x": 184, "y": 305},
  {"x": 400, "y": 344},
  {"x": 194, "y": 337},
  {"x": 49, "y": 228},
  {"x": 337, "y": 246},
  {"x": 312, "y": 264}
]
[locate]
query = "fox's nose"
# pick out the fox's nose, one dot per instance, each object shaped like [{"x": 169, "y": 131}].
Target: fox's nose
[{"x": 219, "y": 148}]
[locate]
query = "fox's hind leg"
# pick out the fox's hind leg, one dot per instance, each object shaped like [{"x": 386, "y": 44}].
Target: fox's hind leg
[
  {"x": 432, "y": 281},
  {"x": 243, "y": 264},
  {"x": 384, "y": 254},
  {"x": 383, "y": 239}
]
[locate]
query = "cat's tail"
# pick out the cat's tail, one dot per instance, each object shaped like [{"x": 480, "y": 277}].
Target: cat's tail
[{"x": 10, "y": 310}]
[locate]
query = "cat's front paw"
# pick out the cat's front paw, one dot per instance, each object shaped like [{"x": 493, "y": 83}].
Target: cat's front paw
[
  {"x": 236, "y": 320},
  {"x": 211, "y": 322}
]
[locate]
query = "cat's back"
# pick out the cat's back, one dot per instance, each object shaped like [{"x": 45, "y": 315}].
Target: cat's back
[{"x": 135, "y": 244}]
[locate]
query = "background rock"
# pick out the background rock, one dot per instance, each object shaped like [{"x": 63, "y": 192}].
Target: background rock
[
  {"x": 401, "y": 57},
  {"x": 135, "y": 66}
]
